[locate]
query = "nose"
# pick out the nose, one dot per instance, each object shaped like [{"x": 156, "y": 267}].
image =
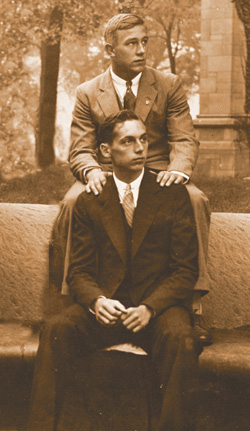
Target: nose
[
  {"x": 138, "y": 146},
  {"x": 141, "y": 48}
]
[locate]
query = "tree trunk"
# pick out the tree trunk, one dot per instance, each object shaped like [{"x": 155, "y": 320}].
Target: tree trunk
[
  {"x": 247, "y": 82},
  {"x": 50, "y": 56},
  {"x": 170, "y": 55}
]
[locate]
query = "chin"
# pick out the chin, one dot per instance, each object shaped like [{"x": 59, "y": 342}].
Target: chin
[{"x": 137, "y": 69}]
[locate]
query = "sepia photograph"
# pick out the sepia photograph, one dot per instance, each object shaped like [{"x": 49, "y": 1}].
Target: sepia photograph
[{"x": 125, "y": 215}]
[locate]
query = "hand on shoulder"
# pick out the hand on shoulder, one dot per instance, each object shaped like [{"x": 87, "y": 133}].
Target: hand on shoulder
[
  {"x": 166, "y": 178},
  {"x": 96, "y": 180}
]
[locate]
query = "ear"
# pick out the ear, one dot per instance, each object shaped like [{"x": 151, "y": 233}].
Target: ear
[
  {"x": 109, "y": 50},
  {"x": 105, "y": 150}
]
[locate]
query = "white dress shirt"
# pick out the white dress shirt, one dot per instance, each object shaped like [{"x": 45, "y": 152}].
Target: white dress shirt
[
  {"x": 135, "y": 187},
  {"x": 120, "y": 85}
]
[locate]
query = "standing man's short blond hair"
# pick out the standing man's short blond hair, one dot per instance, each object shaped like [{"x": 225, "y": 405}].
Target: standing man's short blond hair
[{"x": 122, "y": 21}]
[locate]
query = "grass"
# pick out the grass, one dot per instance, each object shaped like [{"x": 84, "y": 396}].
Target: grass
[
  {"x": 42, "y": 187},
  {"x": 227, "y": 195},
  {"x": 50, "y": 185}
]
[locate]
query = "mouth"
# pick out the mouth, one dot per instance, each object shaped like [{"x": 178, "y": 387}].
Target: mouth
[
  {"x": 141, "y": 62},
  {"x": 139, "y": 160}
]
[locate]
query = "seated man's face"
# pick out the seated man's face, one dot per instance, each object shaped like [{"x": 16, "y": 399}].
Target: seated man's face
[{"x": 128, "y": 150}]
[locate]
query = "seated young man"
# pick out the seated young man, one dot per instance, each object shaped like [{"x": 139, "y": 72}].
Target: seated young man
[{"x": 134, "y": 264}]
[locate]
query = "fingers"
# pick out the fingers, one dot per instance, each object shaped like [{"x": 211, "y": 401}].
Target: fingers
[
  {"x": 118, "y": 306},
  {"x": 179, "y": 179},
  {"x": 108, "y": 311},
  {"x": 96, "y": 185},
  {"x": 136, "y": 318},
  {"x": 133, "y": 324},
  {"x": 106, "y": 319},
  {"x": 96, "y": 181},
  {"x": 165, "y": 178}
]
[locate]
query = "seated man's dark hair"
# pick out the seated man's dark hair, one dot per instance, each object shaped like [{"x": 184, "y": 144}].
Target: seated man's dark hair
[
  {"x": 122, "y": 21},
  {"x": 106, "y": 129}
]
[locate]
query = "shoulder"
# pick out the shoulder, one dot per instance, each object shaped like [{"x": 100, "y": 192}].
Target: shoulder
[
  {"x": 85, "y": 202},
  {"x": 90, "y": 200},
  {"x": 176, "y": 192},
  {"x": 93, "y": 84},
  {"x": 165, "y": 78}
]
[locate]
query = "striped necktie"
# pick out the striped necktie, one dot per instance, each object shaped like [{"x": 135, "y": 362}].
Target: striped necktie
[
  {"x": 129, "y": 98},
  {"x": 128, "y": 205}
]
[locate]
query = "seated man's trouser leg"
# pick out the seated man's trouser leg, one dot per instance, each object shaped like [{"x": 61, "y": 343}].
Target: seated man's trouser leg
[
  {"x": 62, "y": 232},
  {"x": 175, "y": 349},
  {"x": 169, "y": 339}
]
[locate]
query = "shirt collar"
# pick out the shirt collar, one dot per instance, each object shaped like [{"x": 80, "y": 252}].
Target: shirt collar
[
  {"x": 119, "y": 81},
  {"x": 135, "y": 187}
]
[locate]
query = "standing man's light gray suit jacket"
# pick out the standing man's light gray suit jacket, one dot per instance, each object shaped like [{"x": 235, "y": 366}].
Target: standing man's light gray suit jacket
[{"x": 162, "y": 105}]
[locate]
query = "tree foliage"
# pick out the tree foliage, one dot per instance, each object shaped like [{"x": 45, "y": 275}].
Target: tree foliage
[
  {"x": 29, "y": 28},
  {"x": 30, "y": 33},
  {"x": 18, "y": 89},
  {"x": 174, "y": 30},
  {"x": 79, "y": 18}
]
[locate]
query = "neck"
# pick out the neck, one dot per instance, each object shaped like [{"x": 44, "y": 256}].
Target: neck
[
  {"x": 126, "y": 75},
  {"x": 127, "y": 177}
]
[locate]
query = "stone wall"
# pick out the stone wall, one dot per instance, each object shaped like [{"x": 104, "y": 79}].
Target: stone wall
[{"x": 222, "y": 92}]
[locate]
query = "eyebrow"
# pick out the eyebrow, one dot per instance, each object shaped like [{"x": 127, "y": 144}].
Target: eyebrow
[
  {"x": 127, "y": 137},
  {"x": 133, "y": 137},
  {"x": 131, "y": 39}
]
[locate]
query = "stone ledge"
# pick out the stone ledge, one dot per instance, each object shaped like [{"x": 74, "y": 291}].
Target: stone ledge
[
  {"x": 229, "y": 355},
  {"x": 217, "y": 121},
  {"x": 18, "y": 341}
]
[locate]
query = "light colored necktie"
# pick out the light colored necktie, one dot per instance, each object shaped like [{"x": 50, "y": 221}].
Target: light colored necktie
[
  {"x": 128, "y": 205},
  {"x": 129, "y": 98}
]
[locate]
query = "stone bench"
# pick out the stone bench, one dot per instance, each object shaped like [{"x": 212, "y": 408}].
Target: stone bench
[{"x": 27, "y": 299}]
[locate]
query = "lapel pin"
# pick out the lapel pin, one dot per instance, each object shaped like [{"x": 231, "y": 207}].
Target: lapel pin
[{"x": 147, "y": 102}]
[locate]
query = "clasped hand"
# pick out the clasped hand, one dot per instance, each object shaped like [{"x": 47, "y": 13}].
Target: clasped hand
[{"x": 110, "y": 312}]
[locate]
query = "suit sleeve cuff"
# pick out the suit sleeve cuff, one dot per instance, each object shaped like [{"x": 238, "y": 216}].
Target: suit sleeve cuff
[
  {"x": 151, "y": 309},
  {"x": 186, "y": 177},
  {"x": 91, "y": 310},
  {"x": 85, "y": 171}
]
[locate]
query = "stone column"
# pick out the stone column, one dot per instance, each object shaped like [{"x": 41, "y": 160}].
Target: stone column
[{"x": 222, "y": 91}]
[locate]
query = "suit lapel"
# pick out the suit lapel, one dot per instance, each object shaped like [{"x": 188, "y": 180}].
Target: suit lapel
[
  {"x": 107, "y": 98},
  {"x": 148, "y": 203},
  {"x": 112, "y": 218},
  {"x": 146, "y": 94}
]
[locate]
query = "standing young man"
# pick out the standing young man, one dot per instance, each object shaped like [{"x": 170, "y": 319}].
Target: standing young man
[
  {"x": 134, "y": 264},
  {"x": 159, "y": 100}
]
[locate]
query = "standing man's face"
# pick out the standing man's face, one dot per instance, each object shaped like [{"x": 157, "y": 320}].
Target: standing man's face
[{"x": 128, "y": 54}]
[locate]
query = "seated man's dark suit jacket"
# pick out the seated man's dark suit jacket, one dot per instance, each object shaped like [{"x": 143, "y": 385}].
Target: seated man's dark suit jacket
[{"x": 164, "y": 264}]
